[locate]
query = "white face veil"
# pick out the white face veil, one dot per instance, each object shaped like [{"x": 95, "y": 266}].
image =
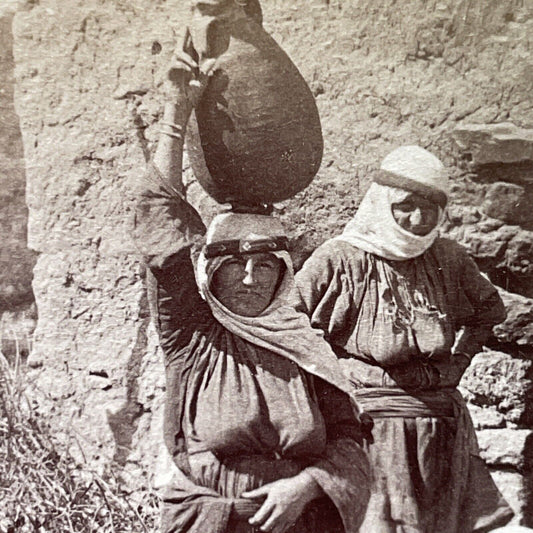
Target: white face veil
[
  {"x": 406, "y": 170},
  {"x": 374, "y": 229}
]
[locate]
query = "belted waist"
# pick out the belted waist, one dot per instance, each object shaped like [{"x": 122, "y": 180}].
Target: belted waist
[{"x": 382, "y": 402}]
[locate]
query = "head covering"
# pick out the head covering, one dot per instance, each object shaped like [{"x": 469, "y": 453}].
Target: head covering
[
  {"x": 237, "y": 233},
  {"x": 414, "y": 169},
  {"x": 373, "y": 229},
  {"x": 279, "y": 328}
]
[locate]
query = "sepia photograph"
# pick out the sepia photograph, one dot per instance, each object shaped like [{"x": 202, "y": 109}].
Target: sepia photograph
[{"x": 266, "y": 266}]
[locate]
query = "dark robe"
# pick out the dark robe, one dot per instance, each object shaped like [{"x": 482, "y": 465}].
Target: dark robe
[
  {"x": 237, "y": 416},
  {"x": 393, "y": 325}
]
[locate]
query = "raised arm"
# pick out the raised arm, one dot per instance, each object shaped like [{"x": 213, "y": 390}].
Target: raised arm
[
  {"x": 166, "y": 227},
  {"x": 164, "y": 222}
]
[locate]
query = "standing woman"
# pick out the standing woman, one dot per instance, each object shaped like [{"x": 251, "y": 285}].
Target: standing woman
[
  {"x": 258, "y": 423},
  {"x": 405, "y": 311}
]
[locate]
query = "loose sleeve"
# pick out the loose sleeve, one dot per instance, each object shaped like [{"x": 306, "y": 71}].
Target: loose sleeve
[
  {"x": 164, "y": 223},
  {"x": 474, "y": 300},
  {"x": 488, "y": 308},
  {"x": 344, "y": 471},
  {"x": 166, "y": 228},
  {"x": 475, "y": 308},
  {"x": 328, "y": 289},
  {"x": 475, "y": 303}
]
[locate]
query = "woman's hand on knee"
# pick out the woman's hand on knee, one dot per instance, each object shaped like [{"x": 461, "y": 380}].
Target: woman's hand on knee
[{"x": 284, "y": 502}]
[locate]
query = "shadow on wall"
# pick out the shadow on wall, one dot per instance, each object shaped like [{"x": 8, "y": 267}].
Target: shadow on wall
[
  {"x": 17, "y": 308},
  {"x": 124, "y": 421}
]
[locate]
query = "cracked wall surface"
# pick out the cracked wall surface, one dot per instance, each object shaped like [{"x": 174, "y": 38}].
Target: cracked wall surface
[{"x": 434, "y": 73}]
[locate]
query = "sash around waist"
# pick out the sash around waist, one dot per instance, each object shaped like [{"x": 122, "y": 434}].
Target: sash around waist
[{"x": 382, "y": 402}]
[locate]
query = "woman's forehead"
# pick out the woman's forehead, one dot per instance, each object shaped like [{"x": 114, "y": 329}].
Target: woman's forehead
[
  {"x": 411, "y": 197},
  {"x": 256, "y": 256}
]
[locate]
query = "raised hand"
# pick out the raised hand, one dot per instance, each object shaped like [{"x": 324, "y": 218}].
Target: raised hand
[{"x": 188, "y": 78}]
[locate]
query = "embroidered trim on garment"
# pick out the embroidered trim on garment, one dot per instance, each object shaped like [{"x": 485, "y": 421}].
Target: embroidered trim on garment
[{"x": 246, "y": 246}]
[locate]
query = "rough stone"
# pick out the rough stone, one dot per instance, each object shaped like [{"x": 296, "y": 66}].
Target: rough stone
[
  {"x": 518, "y": 326},
  {"x": 484, "y": 246},
  {"x": 519, "y": 255},
  {"x": 502, "y": 251},
  {"x": 485, "y": 417},
  {"x": 518, "y": 173},
  {"x": 508, "y": 202},
  {"x": 510, "y": 448},
  {"x": 495, "y": 143},
  {"x": 497, "y": 379},
  {"x": 512, "y": 528},
  {"x": 514, "y": 486}
]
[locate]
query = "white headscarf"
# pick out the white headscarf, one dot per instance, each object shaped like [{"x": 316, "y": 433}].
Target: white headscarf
[
  {"x": 279, "y": 328},
  {"x": 373, "y": 228}
]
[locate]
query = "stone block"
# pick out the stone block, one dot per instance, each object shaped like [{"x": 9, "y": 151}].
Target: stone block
[
  {"x": 485, "y": 417},
  {"x": 484, "y": 245},
  {"x": 513, "y": 486},
  {"x": 506, "y": 448},
  {"x": 512, "y": 528},
  {"x": 500, "y": 381},
  {"x": 519, "y": 254},
  {"x": 508, "y": 202},
  {"x": 518, "y": 326},
  {"x": 495, "y": 143}
]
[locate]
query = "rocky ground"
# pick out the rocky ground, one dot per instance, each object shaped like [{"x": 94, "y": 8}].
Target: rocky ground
[{"x": 454, "y": 76}]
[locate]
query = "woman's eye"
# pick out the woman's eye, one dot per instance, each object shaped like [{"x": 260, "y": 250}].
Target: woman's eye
[
  {"x": 405, "y": 206},
  {"x": 234, "y": 262},
  {"x": 268, "y": 263}
]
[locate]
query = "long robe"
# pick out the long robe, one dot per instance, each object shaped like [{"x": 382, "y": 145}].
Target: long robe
[
  {"x": 237, "y": 416},
  {"x": 393, "y": 325}
]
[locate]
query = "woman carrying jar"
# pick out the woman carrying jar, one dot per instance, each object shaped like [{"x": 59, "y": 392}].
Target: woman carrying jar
[{"x": 261, "y": 431}]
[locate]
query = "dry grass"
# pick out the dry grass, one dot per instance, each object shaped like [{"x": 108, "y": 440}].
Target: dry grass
[{"x": 42, "y": 489}]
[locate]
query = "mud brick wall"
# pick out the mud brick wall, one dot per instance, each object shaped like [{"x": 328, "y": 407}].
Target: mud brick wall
[{"x": 451, "y": 75}]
